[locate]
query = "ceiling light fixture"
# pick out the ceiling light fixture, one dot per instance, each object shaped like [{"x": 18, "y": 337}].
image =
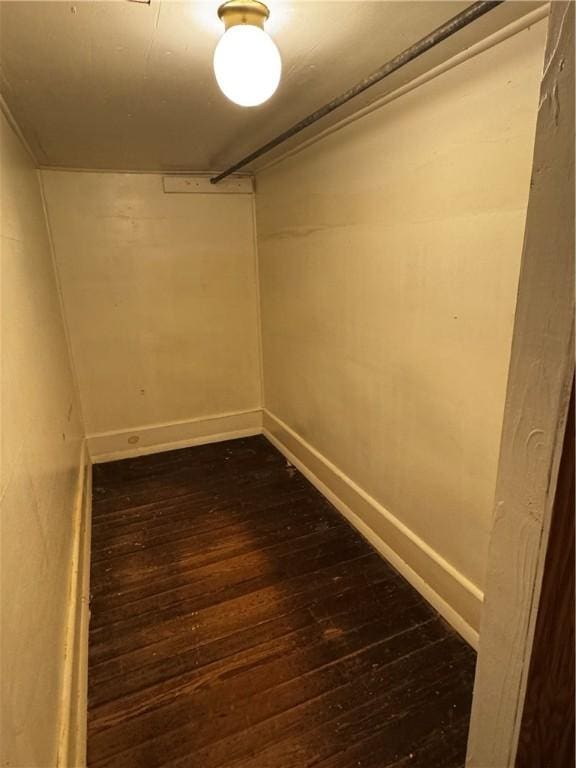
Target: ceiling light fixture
[{"x": 247, "y": 63}]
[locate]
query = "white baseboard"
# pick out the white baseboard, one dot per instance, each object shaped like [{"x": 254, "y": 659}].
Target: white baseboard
[
  {"x": 124, "y": 444},
  {"x": 72, "y": 741},
  {"x": 452, "y": 594}
]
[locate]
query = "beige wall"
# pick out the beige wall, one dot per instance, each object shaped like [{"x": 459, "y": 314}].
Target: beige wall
[
  {"x": 160, "y": 295},
  {"x": 41, "y": 448},
  {"x": 389, "y": 256}
]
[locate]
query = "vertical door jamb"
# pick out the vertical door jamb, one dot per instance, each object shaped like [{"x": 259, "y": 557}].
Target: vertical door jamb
[{"x": 539, "y": 385}]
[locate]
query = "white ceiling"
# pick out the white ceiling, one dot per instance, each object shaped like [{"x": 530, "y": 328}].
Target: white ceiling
[{"x": 129, "y": 86}]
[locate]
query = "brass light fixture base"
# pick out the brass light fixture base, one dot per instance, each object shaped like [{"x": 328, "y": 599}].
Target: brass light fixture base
[{"x": 250, "y": 12}]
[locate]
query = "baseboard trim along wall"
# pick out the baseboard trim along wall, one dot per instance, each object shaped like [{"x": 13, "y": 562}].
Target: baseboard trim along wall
[
  {"x": 452, "y": 594},
  {"x": 74, "y": 707},
  {"x": 124, "y": 444}
]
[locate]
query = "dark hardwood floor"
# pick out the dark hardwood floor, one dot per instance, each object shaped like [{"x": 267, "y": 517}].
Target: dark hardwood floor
[{"x": 237, "y": 620}]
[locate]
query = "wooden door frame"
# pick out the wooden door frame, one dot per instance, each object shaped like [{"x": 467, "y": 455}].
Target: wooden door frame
[{"x": 537, "y": 399}]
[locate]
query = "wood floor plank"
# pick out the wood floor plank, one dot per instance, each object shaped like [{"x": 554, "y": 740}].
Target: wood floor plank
[
  {"x": 307, "y": 702},
  {"x": 212, "y": 585},
  {"x": 112, "y": 667},
  {"x": 149, "y": 535},
  {"x": 124, "y": 593},
  {"x": 274, "y": 687},
  {"x": 238, "y": 621},
  {"x": 249, "y": 609},
  {"x": 271, "y": 664},
  {"x": 389, "y": 696}
]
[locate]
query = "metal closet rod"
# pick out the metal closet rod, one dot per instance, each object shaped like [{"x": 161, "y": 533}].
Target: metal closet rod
[{"x": 446, "y": 30}]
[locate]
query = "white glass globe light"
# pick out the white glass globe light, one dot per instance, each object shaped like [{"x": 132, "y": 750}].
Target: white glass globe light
[{"x": 247, "y": 65}]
